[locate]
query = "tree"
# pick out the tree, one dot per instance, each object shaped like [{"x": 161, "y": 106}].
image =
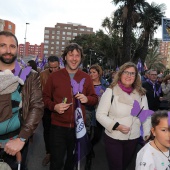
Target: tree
[
  {"x": 154, "y": 60},
  {"x": 150, "y": 20}
]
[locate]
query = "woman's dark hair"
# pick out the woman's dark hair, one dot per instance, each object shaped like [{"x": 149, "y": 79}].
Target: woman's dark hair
[
  {"x": 33, "y": 64},
  {"x": 71, "y": 47}
]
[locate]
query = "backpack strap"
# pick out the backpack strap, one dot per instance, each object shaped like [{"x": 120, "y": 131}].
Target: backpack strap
[
  {"x": 112, "y": 97},
  {"x": 111, "y": 100}
]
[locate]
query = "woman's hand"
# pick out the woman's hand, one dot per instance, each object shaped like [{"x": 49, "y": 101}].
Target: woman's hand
[{"x": 124, "y": 129}]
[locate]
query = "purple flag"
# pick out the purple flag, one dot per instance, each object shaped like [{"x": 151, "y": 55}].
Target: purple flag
[
  {"x": 83, "y": 145},
  {"x": 22, "y": 62},
  {"x": 140, "y": 66},
  {"x": 169, "y": 118},
  {"x": 139, "y": 112},
  {"x": 117, "y": 68},
  {"x": 21, "y": 73},
  {"x": 61, "y": 62}
]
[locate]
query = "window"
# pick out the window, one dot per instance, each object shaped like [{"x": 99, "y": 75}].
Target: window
[
  {"x": 68, "y": 38},
  {"x": 63, "y": 43},
  {"x": 74, "y": 34},
  {"x": 64, "y": 33},
  {"x": 46, "y": 31},
  {"x": 10, "y": 26},
  {"x": 58, "y": 37},
  {"x": 46, "y": 41},
  {"x": 52, "y": 48},
  {"x": 53, "y": 32},
  {"x": 63, "y": 38},
  {"x": 45, "y": 46},
  {"x": 57, "y": 42},
  {"x": 81, "y": 29},
  {"x": 52, "y": 52},
  {"x": 65, "y": 27},
  {"x": 69, "y": 28},
  {"x": 68, "y": 33},
  {"x": 52, "y": 42},
  {"x": 46, "y": 36},
  {"x": 58, "y": 32},
  {"x": 52, "y": 37},
  {"x": 45, "y": 52}
]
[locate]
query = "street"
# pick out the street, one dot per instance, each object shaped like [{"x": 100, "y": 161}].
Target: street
[{"x": 37, "y": 153}]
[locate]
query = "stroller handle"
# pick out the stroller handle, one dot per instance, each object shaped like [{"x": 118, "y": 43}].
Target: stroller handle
[{"x": 19, "y": 157}]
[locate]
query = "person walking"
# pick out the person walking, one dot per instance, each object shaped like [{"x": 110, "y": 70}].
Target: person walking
[
  {"x": 21, "y": 104},
  {"x": 122, "y": 130},
  {"x": 153, "y": 90},
  {"x": 58, "y": 97},
  {"x": 53, "y": 66},
  {"x": 95, "y": 128}
]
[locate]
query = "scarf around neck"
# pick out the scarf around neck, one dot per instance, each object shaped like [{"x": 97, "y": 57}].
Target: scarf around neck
[
  {"x": 128, "y": 90},
  {"x": 157, "y": 92}
]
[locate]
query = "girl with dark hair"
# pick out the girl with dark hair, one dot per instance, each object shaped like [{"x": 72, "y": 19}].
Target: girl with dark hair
[{"x": 155, "y": 154}]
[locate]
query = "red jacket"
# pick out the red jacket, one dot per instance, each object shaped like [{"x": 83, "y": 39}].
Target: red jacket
[{"x": 59, "y": 86}]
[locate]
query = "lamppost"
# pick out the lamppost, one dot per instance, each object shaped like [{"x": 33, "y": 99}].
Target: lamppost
[
  {"x": 90, "y": 55},
  {"x": 25, "y": 39}
]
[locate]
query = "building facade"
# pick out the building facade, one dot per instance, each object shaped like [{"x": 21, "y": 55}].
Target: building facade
[
  {"x": 31, "y": 50},
  {"x": 56, "y": 38},
  {"x": 6, "y": 25},
  {"x": 164, "y": 50}
]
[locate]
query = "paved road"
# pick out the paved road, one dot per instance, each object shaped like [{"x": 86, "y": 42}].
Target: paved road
[{"x": 37, "y": 152}]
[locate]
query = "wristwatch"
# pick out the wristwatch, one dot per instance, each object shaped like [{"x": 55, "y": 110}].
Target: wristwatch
[{"x": 23, "y": 139}]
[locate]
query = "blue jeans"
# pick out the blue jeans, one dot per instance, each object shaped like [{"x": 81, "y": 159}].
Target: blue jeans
[{"x": 62, "y": 143}]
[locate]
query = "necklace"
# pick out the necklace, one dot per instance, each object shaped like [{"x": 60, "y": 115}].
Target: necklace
[{"x": 168, "y": 157}]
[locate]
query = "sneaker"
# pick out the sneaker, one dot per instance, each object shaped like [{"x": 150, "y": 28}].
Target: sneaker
[{"x": 46, "y": 160}]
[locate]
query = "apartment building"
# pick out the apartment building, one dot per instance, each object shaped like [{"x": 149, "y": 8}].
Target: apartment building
[
  {"x": 6, "y": 25},
  {"x": 56, "y": 38},
  {"x": 164, "y": 50},
  {"x": 31, "y": 50}
]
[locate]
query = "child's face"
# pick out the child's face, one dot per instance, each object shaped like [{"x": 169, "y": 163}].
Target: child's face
[{"x": 162, "y": 134}]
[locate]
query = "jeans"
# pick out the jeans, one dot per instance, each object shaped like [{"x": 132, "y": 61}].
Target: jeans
[
  {"x": 46, "y": 120},
  {"x": 62, "y": 140}
]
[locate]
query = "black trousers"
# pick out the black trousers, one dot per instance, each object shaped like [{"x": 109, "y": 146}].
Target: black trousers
[
  {"x": 62, "y": 140},
  {"x": 11, "y": 160},
  {"x": 46, "y": 121}
]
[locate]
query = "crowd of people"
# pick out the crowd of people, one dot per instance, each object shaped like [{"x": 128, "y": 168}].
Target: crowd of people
[{"x": 125, "y": 108}]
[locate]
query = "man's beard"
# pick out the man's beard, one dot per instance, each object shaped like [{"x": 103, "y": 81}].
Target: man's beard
[{"x": 8, "y": 60}]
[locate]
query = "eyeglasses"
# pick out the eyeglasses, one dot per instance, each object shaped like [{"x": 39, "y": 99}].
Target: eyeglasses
[
  {"x": 127, "y": 73},
  {"x": 153, "y": 74}
]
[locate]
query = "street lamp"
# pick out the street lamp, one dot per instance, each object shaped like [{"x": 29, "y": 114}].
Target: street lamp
[
  {"x": 25, "y": 39},
  {"x": 90, "y": 55}
]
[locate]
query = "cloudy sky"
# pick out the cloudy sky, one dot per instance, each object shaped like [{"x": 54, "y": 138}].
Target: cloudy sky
[{"x": 46, "y": 13}]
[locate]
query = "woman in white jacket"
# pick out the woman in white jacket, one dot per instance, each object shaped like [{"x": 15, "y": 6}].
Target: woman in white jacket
[{"x": 122, "y": 130}]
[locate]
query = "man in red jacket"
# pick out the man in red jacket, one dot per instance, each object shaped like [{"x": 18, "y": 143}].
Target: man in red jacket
[{"x": 59, "y": 98}]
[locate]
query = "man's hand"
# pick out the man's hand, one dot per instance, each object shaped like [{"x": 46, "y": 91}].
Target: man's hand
[
  {"x": 81, "y": 97},
  {"x": 60, "y": 108},
  {"x": 13, "y": 146},
  {"x": 124, "y": 129}
]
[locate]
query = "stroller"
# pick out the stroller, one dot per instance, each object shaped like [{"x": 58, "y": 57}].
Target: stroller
[{"x": 5, "y": 166}]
